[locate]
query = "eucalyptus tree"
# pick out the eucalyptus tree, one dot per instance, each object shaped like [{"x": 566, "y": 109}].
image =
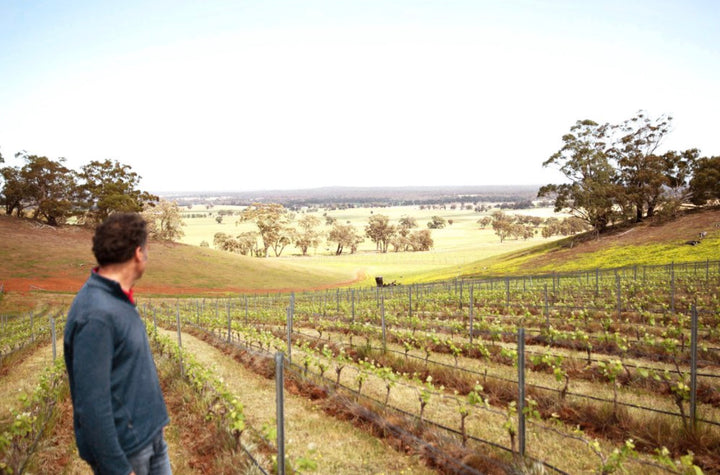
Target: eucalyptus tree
[
  {"x": 593, "y": 183},
  {"x": 48, "y": 187},
  {"x": 502, "y": 224},
  {"x": 679, "y": 169},
  {"x": 344, "y": 235},
  {"x": 421, "y": 240},
  {"x": 13, "y": 194},
  {"x": 380, "y": 231},
  {"x": 273, "y": 221},
  {"x": 642, "y": 172},
  {"x": 110, "y": 186},
  {"x": 307, "y": 234},
  {"x": 705, "y": 183},
  {"x": 164, "y": 220}
]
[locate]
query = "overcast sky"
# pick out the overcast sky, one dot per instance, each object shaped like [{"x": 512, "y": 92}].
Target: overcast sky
[{"x": 263, "y": 94}]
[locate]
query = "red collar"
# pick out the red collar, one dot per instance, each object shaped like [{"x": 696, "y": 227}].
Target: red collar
[{"x": 130, "y": 296}]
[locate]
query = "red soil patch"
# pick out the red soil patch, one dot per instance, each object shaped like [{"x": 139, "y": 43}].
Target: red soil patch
[{"x": 73, "y": 284}]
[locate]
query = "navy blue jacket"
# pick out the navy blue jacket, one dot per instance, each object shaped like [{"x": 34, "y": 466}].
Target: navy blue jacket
[{"x": 118, "y": 407}]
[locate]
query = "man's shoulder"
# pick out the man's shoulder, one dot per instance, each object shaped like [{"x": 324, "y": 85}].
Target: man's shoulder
[
  {"x": 94, "y": 298},
  {"x": 98, "y": 287}
]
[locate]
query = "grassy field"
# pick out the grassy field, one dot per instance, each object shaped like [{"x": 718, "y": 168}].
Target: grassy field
[
  {"x": 457, "y": 245},
  {"x": 465, "y": 249},
  {"x": 35, "y": 257}
]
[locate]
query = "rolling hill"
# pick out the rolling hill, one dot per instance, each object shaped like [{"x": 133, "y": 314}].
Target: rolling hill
[
  {"x": 646, "y": 243},
  {"x": 38, "y": 257}
]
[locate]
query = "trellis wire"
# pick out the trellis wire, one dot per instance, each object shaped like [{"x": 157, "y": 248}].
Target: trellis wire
[
  {"x": 510, "y": 380},
  {"x": 435, "y": 423}
]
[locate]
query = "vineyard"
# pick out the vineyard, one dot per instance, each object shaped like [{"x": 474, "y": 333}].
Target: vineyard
[{"x": 600, "y": 371}]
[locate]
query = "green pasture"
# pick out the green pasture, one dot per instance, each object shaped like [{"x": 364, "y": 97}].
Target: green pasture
[
  {"x": 561, "y": 256},
  {"x": 456, "y": 246}
]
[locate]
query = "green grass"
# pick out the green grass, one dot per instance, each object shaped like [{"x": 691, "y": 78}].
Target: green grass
[
  {"x": 648, "y": 254},
  {"x": 639, "y": 245},
  {"x": 456, "y": 246}
]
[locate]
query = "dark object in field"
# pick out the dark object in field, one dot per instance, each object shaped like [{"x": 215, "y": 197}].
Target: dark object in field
[
  {"x": 693, "y": 243},
  {"x": 379, "y": 282}
]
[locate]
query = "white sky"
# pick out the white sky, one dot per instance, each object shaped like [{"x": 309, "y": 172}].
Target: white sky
[{"x": 261, "y": 94}]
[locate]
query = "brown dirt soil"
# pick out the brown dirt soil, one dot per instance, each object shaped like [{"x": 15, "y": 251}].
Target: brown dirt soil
[
  {"x": 36, "y": 257},
  {"x": 57, "y": 453}
]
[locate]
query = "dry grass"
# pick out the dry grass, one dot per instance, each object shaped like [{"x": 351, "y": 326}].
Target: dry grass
[
  {"x": 23, "y": 375},
  {"x": 196, "y": 444},
  {"x": 57, "y": 452},
  {"x": 42, "y": 258}
]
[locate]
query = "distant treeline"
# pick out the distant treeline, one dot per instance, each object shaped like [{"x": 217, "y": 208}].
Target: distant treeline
[{"x": 516, "y": 197}]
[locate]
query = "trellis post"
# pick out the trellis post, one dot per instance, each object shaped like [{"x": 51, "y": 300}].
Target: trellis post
[
  {"x": 52, "y": 331},
  {"x": 352, "y": 301},
  {"x": 472, "y": 311},
  {"x": 672, "y": 288},
  {"x": 182, "y": 366},
  {"x": 280, "y": 411},
  {"x": 693, "y": 368},
  {"x": 521, "y": 391},
  {"x": 229, "y": 321},
  {"x": 382, "y": 322}
]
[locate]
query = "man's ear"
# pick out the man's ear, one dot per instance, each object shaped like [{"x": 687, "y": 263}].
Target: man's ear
[{"x": 139, "y": 254}]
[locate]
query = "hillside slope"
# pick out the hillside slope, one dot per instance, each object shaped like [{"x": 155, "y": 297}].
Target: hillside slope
[
  {"x": 38, "y": 257},
  {"x": 645, "y": 243}
]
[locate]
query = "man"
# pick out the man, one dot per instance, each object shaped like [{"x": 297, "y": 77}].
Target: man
[{"x": 118, "y": 408}]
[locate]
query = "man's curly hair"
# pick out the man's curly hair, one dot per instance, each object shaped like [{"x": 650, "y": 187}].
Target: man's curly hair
[{"x": 116, "y": 239}]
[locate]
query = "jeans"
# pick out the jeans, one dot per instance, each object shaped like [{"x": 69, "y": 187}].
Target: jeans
[{"x": 153, "y": 459}]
